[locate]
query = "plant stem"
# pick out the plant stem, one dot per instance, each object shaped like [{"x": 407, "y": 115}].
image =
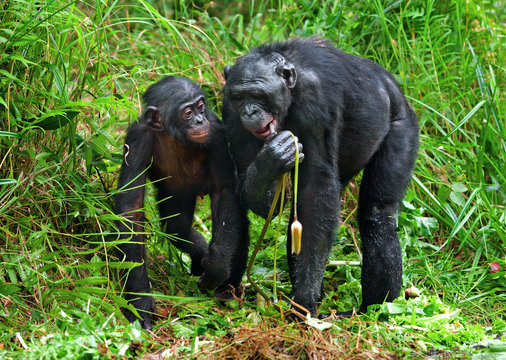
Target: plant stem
[
  {"x": 282, "y": 203},
  {"x": 261, "y": 238}
]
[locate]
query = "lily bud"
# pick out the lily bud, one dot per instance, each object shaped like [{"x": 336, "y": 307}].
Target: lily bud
[{"x": 296, "y": 232}]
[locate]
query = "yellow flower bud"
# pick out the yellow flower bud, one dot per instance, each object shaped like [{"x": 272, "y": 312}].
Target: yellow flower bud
[{"x": 296, "y": 232}]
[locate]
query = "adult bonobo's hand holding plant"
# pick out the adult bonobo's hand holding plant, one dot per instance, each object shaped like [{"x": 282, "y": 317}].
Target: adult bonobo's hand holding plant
[
  {"x": 179, "y": 144},
  {"x": 349, "y": 114}
]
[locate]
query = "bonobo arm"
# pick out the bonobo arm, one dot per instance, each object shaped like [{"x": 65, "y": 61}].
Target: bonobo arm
[
  {"x": 129, "y": 202},
  {"x": 225, "y": 262},
  {"x": 258, "y": 183}
]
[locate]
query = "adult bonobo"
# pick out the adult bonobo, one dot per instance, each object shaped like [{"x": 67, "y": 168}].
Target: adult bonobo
[
  {"x": 349, "y": 114},
  {"x": 180, "y": 145}
]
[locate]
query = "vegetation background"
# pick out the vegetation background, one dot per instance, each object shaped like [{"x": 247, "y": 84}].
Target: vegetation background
[{"x": 71, "y": 78}]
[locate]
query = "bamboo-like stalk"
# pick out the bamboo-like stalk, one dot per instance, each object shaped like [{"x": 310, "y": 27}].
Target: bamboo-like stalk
[
  {"x": 296, "y": 227},
  {"x": 281, "y": 205},
  {"x": 261, "y": 238}
]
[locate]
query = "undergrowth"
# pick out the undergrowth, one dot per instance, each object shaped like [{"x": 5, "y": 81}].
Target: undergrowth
[{"x": 71, "y": 79}]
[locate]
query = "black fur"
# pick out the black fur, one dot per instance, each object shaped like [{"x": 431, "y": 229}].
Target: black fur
[
  {"x": 349, "y": 114},
  {"x": 169, "y": 145}
]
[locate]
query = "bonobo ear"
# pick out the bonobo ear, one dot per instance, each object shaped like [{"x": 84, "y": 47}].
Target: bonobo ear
[
  {"x": 225, "y": 71},
  {"x": 153, "y": 117},
  {"x": 288, "y": 73}
]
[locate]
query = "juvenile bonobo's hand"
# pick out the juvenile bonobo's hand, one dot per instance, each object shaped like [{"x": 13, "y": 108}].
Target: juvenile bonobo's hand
[{"x": 278, "y": 154}]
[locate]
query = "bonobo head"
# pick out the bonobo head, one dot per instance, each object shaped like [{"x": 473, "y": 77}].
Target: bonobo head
[
  {"x": 178, "y": 106},
  {"x": 259, "y": 88}
]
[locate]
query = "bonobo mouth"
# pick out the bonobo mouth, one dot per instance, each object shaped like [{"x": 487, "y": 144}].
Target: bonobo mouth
[
  {"x": 264, "y": 131},
  {"x": 198, "y": 136}
]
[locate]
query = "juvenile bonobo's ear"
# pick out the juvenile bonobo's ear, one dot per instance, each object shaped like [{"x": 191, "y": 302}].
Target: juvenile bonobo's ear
[
  {"x": 288, "y": 73},
  {"x": 153, "y": 117},
  {"x": 225, "y": 71}
]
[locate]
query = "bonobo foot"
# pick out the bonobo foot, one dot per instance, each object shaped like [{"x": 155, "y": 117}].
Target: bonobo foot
[
  {"x": 228, "y": 292},
  {"x": 215, "y": 272},
  {"x": 145, "y": 306}
]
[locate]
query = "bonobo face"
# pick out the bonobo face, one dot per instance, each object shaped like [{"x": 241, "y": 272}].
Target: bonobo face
[
  {"x": 192, "y": 116},
  {"x": 177, "y": 105},
  {"x": 259, "y": 90}
]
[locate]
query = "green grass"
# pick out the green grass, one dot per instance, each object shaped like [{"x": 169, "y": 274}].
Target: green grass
[{"x": 71, "y": 79}]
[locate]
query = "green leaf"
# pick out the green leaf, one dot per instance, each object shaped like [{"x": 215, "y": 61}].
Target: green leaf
[
  {"x": 9, "y": 134},
  {"x": 459, "y": 187},
  {"x": 59, "y": 82},
  {"x": 8, "y": 181},
  {"x": 446, "y": 317},
  {"x": 427, "y": 225},
  {"x": 443, "y": 193},
  {"x": 99, "y": 144},
  {"x": 8, "y": 75},
  {"x": 56, "y": 121},
  {"x": 394, "y": 308},
  {"x": 457, "y": 198},
  {"x": 8, "y": 289}
]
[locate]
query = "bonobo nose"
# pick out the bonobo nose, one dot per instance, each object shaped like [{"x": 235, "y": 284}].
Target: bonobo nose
[{"x": 250, "y": 110}]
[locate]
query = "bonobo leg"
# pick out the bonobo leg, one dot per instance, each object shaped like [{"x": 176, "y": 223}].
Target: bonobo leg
[
  {"x": 196, "y": 247},
  {"x": 384, "y": 182},
  {"x": 137, "y": 282},
  {"x": 177, "y": 213},
  {"x": 318, "y": 211},
  {"x": 225, "y": 261}
]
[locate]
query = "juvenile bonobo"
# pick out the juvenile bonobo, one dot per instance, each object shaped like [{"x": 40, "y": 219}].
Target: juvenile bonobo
[
  {"x": 180, "y": 145},
  {"x": 349, "y": 114}
]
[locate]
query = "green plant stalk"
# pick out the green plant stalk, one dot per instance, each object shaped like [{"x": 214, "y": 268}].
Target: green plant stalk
[
  {"x": 261, "y": 238},
  {"x": 296, "y": 226},
  {"x": 282, "y": 203},
  {"x": 281, "y": 187},
  {"x": 295, "y": 178}
]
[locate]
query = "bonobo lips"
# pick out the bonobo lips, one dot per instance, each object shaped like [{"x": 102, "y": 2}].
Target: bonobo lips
[
  {"x": 265, "y": 130},
  {"x": 198, "y": 136}
]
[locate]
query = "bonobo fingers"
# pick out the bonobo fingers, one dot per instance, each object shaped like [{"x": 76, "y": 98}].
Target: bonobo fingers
[
  {"x": 301, "y": 148},
  {"x": 279, "y": 153}
]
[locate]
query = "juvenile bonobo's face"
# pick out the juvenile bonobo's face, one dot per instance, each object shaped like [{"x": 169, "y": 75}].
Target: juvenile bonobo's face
[
  {"x": 177, "y": 105},
  {"x": 258, "y": 89},
  {"x": 192, "y": 117}
]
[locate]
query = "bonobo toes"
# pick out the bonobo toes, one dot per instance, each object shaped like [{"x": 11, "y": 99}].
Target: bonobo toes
[
  {"x": 228, "y": 292},
  {"x": 145, "y": 306},
  {"x": 214, "y": 273}
]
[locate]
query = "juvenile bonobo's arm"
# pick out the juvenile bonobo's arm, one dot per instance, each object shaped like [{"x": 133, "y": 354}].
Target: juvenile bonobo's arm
[
  {"x": 129, "y": 201},
  {"x": 258, "y": 184},
  {"x": 225, "y": 262}
]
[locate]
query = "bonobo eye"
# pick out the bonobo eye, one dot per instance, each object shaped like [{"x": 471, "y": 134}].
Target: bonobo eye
[
  {"x": 236, "y": 96},
  {"x": 187, "y": 113},
  {"x": 257, "y": 94},
  {"x": 201, "y": 106}
]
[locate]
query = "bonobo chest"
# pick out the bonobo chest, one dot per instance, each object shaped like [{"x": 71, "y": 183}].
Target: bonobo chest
[{"x": 180, "y": 166}]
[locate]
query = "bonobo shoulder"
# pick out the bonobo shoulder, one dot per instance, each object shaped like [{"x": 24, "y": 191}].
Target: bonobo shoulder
[{"x": 217, "y": 139}]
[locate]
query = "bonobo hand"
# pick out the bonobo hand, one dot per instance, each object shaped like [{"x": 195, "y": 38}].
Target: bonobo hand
[{"x": 278, "y": 154}]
